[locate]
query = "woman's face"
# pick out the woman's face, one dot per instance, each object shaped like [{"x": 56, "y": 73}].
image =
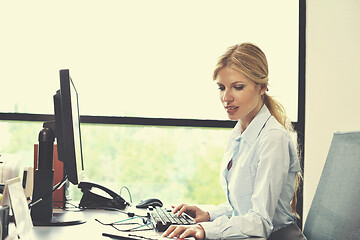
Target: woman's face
[{"x": 240, "y": 96}]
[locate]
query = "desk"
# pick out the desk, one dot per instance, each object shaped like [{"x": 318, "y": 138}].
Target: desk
[{"x": 91, "y": 229}]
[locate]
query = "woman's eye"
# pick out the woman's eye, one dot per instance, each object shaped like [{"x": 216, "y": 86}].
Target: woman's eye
[
  {"x": 221, "y": 88},
  {"x": 239, "y": 87}
]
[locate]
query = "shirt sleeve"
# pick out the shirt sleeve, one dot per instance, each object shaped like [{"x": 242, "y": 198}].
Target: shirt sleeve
[
  {"x": 222, "y": 209},
  {"x": 271, "y": 175}
]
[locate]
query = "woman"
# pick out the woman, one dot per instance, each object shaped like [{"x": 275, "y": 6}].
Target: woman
[{"x": 260, "y": 164}]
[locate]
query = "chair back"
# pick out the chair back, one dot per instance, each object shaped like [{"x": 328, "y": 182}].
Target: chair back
[{"x": 335, "y": 209}]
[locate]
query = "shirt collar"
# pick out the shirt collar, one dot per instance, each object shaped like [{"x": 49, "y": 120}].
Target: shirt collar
[{"x": 253, "y": 130}]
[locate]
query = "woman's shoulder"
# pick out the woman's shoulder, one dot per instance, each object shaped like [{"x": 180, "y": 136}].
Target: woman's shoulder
[
  {"x": 274, "y": 130},
  {"x": 274, "y": 136}
]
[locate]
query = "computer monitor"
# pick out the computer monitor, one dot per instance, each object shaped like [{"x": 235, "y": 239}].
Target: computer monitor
[
  {"x": 67, "y": 125},
  {"x": 66, "y": 129}
]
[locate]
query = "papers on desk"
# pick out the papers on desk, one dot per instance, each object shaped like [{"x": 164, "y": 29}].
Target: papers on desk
[{"x": 14, "y": 193}]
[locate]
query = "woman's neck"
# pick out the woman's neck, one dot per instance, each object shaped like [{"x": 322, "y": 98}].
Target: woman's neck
[{"x": 245, "y": 121}]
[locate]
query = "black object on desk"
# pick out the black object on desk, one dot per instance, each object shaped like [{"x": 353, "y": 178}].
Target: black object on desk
[
  {"x": 93, "y": 200},
  {"x": 134, "y": 236},
  {"x": 151, "y": 202},
  {"x": 4, "y": 221},
  {"x": 44, "y": 178},
  {"x": 122, "y": 237},
  {"x": 42, "y": 204}
]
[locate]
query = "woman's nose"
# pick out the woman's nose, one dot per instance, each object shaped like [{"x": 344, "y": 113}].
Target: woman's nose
[{"x": 227, "y": 96}]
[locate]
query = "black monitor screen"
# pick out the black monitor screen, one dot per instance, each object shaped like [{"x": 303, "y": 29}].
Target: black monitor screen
[{"x": 68, "y": 132}]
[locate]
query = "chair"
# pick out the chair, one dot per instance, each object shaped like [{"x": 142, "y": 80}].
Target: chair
[
  {"x": 335, "y": 209},
  {"x": 291, "y": 232}
]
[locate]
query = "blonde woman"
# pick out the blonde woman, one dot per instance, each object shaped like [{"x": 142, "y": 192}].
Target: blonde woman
[{"x": 260, "y": 164}]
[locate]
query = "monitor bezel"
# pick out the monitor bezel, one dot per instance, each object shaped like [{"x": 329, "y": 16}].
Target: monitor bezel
[{"x": 65, "y": 136}]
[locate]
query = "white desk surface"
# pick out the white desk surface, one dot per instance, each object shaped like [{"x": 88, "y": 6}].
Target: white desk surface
[{"x": 91, "y": 229}]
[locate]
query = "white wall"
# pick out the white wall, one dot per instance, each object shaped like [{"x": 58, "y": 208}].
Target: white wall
[{"x": 332, "y": 81}]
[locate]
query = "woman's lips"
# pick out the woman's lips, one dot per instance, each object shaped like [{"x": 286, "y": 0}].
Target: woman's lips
[{"x": 231, "y": 109}]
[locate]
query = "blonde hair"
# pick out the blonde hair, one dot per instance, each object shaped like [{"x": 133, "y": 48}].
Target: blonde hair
[{"x": 249, "y": 60}]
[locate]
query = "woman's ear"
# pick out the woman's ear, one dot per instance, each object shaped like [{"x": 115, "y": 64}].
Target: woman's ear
[{"x": 264, "y": 88}]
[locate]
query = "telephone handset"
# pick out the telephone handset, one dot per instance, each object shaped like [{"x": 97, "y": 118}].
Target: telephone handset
[{"x": 93, "y": 200}]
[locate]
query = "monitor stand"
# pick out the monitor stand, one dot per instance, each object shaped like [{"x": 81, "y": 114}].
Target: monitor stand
[
  {"x": 42, "y": 208},
  {"x": 66, "y": 218}
]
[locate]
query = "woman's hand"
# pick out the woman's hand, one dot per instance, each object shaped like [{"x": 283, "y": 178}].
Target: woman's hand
[
  {"x": 193, "y": 211},
  {"x": 184, "y": 231}
]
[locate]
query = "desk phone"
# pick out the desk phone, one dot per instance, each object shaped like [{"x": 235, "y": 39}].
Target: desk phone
[{"x": 96, "y": 201}]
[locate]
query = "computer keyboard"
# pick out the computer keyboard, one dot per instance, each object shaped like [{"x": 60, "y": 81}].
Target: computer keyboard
[{"x": 162, "y": 218}]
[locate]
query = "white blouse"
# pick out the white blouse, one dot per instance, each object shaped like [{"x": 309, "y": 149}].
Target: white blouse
[{"x": 259, "y": 186}]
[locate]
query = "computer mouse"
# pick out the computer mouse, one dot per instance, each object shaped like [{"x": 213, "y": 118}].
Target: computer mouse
[{"x": 153, "y": 202}]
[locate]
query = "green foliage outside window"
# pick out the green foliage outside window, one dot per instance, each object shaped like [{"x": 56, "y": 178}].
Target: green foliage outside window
[{"x": 175, "y": 164}]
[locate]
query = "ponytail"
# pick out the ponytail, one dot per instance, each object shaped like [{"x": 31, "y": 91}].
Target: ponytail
[{"x": 278, "y": 111}]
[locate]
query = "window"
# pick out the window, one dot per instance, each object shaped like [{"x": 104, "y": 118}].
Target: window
[{"x": 143, "y": 59}]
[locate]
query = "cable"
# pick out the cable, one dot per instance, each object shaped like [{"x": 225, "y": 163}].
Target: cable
[
  {"x": 134, "y": 229},
  {"x": 57, "y": 186},
  {"x": 121, "y": 222},
  {"x": 63, "y": 206},
  {"x": 60, "y": 184},
  {"x": 130, "y": 214},
  {"x": 128, "y": 193}
]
